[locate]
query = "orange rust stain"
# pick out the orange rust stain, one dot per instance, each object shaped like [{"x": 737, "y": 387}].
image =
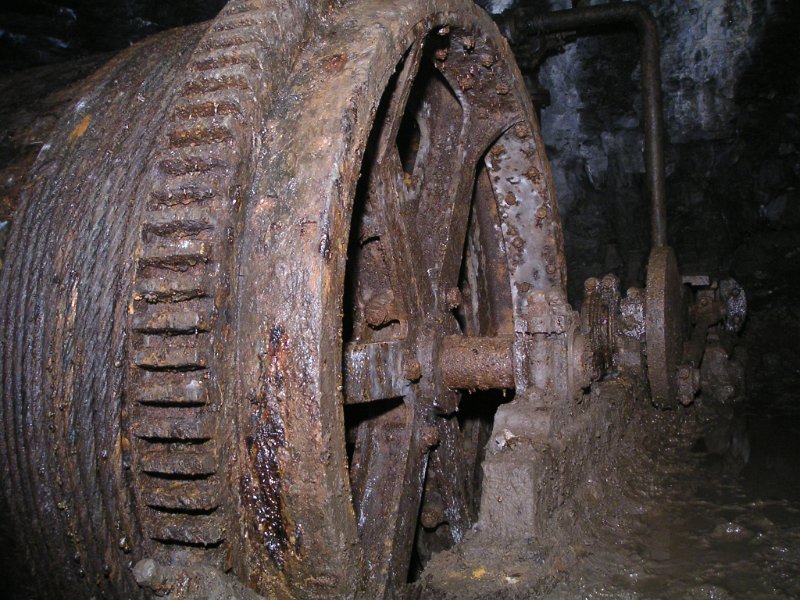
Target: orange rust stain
[
  {"x": 335, "y": 63},
  {"x": 80, "y": 128},
  {"x": 478, "y": 573}
]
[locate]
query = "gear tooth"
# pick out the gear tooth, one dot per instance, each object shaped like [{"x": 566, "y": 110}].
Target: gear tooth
[
  {"x": 190, "y": 495},
  {"x": 245, "y": 54},
  {"x": 189, "y": 161},
  {"x": 193, "y": 317},
  {"x": 169, "y": 424},
  {"x": 160, "y": 355},
  {"x": 200, "y": 135},
  {"x": 192, "y": 530},
  {"x": 170, "y": 389},
  {"x": 178, "y": 222},
  {"x": 224, "y": 105},
  {"x": 178, "y": 256},
  {"x": 172, "y": 287},
  {"x": 180, "y": 195},
  {"x": 178, "y": 460},
  {"x": 225, "y": 81}
]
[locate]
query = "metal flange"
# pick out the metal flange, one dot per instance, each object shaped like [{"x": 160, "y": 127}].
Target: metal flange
[{"x": 665, "y": 325}]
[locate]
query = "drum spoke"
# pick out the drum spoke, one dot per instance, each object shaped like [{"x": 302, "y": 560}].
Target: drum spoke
[
  {"x": 402, "y": 242},
  {"x": 373, "y": 372},
  {"x": 387, "y": 473},
  {"x": 399, "y": 100}
]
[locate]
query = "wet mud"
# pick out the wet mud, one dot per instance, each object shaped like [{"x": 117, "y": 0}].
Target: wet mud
[
  {"x": 700, "y": 503},
  {"x": 695, "y": 521}
]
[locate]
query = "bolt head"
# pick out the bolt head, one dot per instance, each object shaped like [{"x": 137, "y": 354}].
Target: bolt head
[
  {"x": 412, "y": 370},
  {"x": 454, "y": 298},
  {"x": 380, "y": 309},
  {"x": 430, "y": 436}
]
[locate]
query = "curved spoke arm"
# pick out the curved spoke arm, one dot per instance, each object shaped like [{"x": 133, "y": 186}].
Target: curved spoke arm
[
  {"x": 399, "y": 100},
  {"x": 373, "y": 372},
  {"x": 457, "y": 207},
  {"x": 388, "y": 472},
  {"x": 402, "y": 241},
  {"x": 477, "y": 135},
  {"x": 452, "y": 494},
  {"x": 455, "y": 165}
]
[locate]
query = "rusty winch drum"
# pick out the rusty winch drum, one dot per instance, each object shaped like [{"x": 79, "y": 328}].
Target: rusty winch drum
[{"x": 247, "y": 275}]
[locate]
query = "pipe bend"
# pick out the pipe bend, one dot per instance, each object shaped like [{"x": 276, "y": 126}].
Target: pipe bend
[
  {"x": 580, "y": 18},
  {"x": 642, "y": 19}
]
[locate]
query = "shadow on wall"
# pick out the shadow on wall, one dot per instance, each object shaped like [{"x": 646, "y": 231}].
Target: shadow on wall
[
  {"x": 734, "y": 193},
  {"x": 43, "y": 32}
]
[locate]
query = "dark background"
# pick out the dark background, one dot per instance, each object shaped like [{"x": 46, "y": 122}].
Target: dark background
[{"x": 37, "y": 32}]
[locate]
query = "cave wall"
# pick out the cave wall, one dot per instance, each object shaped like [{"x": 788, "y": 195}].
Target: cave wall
[{"x": 731, "y": 83}]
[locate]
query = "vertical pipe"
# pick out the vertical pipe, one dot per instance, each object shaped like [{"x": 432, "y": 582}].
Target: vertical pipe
[{"x": 638, "y": 16}]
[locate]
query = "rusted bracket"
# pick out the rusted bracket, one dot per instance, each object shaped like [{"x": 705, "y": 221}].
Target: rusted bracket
[
  {"x": 708, "y": 310},
  {"x": 520, "y": 22}
]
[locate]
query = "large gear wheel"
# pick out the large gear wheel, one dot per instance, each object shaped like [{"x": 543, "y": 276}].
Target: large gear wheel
[{"x": 226, "y": 306}]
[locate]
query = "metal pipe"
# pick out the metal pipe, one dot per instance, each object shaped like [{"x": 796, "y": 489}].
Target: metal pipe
[{"x": 649, "y": 56}]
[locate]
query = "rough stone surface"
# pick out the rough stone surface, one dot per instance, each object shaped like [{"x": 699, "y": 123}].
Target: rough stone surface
[{"x": 730, "y": 81}]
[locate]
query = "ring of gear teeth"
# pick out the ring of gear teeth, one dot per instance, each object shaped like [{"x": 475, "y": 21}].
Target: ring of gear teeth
[{"x": 171, "y": 420}]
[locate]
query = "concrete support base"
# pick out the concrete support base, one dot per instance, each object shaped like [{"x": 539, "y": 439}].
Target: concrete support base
[{"x": 537, "y": 467}]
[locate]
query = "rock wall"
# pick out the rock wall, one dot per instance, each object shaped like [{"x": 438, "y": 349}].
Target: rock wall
[{"x": 731, "y": 82}]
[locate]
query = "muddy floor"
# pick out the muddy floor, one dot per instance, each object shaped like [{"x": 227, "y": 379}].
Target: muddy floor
[{"x": 694, "y": 521}]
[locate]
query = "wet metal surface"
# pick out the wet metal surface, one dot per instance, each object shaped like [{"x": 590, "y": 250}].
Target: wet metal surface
[
  {"x": 475, "y": 363},
  {"x": 665, "y": 323},
  {"x": 225, "y": 372}
]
